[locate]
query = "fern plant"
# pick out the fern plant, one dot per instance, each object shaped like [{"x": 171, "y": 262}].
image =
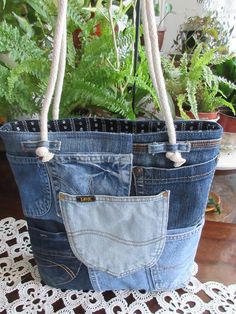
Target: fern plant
[
  {"x": 92, "y": 79},
  {"x": 192, "y": 83}
]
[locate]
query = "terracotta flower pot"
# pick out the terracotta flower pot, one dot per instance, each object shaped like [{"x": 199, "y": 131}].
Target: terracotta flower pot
[
  {"x": 228, "y": 122},
  {"x": 161, "y": 35},
  {"x": 2, "y": 120},
  {"x": 213, "y": 116}
]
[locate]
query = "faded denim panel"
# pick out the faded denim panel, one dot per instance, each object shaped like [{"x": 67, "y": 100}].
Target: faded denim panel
[
  {"x": 174, "y": 268},
  {"x": 58, "y": 267},
  {"x": 33, "y": 183},
  {"x": 116, "y": 235}
]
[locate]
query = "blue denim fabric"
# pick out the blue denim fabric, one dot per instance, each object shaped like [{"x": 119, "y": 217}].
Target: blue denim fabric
[{"x": 109, "y": 211}]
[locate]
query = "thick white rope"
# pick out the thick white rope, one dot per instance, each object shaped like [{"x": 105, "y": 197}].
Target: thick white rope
[
  {"x": 60, "y": 77},
  {"x": 154, "y": 60},
  {"x": 43, "y": 151}
]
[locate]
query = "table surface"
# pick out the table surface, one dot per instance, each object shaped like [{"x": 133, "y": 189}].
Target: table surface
[{"x": 216, "y": 254}]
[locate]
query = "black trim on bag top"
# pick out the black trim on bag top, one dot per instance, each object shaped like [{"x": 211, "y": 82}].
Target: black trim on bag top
[{"x": 109, "y": 125}]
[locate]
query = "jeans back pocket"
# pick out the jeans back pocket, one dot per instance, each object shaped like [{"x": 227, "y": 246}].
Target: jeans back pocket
[
  {"x": 117, "y": 235},
  {"x": 97, "y": 173}
]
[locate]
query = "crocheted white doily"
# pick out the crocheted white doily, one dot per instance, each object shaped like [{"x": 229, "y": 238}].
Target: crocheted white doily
[{"x": 22, "y": 292}]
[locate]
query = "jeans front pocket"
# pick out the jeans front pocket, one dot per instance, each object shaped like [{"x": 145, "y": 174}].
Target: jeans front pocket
[
  {"x": 116, "y": 235},
  {"x": 175, "y": 265},
  {"x": 33, "y": 183},
  {"x": 58, "y": 267},
  {"x": 189, "y": 187}
]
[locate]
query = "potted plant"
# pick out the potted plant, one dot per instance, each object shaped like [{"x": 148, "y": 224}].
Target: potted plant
[
  {"x": 209, "y": 30},
  {"x": 162, "y": 10},
  {"x": 193, "y": 86},
  {"x": 227, "y": 117}
]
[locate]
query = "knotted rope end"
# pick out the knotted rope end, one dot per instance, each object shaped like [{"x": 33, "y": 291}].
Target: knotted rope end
[
  {"x": 44, "y": 154},
  {"x": 176, "y": 158}
]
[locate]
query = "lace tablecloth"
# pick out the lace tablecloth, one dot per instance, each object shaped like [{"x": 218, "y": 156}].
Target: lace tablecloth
[{"x": 22, "y": 292}]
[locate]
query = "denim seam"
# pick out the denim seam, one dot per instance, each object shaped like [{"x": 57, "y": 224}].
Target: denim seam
[
  {"x": 130, "y": 173},
  {"x": 53, "y": 264},
  {"x": 93, "y": 279},
  {"x": 113, "y": 237},
  {"x": 97, "y": 157},
  {"x": 184, "y": 236},
  {"x": 118, "y": 199},
  {"x": 181, "y": 178},
  {"x": 51, "y": 172}
]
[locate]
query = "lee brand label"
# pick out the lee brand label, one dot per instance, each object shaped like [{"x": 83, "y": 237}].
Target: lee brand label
[{"x": 85, "y": 199}]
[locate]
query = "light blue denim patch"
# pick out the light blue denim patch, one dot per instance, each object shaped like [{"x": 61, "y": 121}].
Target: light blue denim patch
[
  {"x": 173, "y": 269},
  {"x": 116, "y": 235}
]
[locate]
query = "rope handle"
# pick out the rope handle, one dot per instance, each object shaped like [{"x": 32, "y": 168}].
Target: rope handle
[
  {"x": 55, "y": 83},
  {"x": 156, "y": 73},
  {"x": 58, "y": 70}
]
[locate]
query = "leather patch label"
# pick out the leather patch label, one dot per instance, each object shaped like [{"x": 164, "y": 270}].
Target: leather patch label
[{"x": 85, "y": 199}]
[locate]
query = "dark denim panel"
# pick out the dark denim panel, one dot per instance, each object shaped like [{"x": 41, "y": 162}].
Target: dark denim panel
[{"x": 57, "y": 264}]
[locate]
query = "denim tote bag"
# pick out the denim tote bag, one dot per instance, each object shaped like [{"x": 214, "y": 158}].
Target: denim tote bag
[{"x": 110, "y": 203}]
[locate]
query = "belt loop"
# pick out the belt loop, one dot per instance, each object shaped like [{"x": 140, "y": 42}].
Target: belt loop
[{"x": 157, "y": 148}]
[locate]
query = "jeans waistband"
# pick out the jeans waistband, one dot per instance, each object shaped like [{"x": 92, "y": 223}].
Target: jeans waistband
[{"x": 110, "y": 135}]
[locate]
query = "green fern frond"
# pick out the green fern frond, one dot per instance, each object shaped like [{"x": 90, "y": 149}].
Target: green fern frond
[
  {"x": 208, "y": 76},
  {"x": 223, "y": 102},
  {"x": 220, "y": 59},
  {"x": 226, "y": 82},
  {"x": 181, "y": 99},
  {"x": 199, "y": 60},
  {"x": 191, "y": 95},
  {"x": 71, "y": 52},
  {"x": 4, "y": 72},
  {"x": 20, "y": 47},
  {"x": 196, "y": 55},
  {"x": 125, "y": 45},
  {"x": 183, "y": 67},
  {"x": 46, "y": 9},
  {"x": 143, "y": 85},
  {"x": 169, "y": 68},
  {"x": 74, "y": 13},
  {"x": 35, "y": 68},
  {"x": 83, "y": 92}
]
